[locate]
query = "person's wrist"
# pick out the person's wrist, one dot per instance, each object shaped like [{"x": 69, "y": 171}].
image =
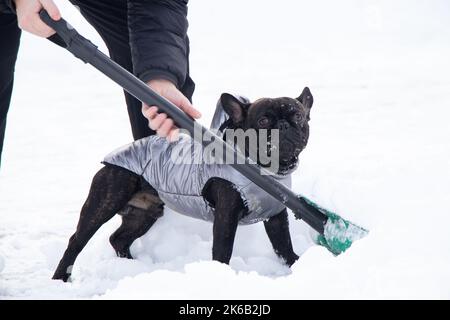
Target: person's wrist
[
  {"x": 159, "y": 74},
  {"x": 18, "y": 4},
  {"x": 160, "y": 85}
]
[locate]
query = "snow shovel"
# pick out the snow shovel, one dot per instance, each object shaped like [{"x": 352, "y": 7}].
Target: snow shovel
[{"x": 334, "y": 232}]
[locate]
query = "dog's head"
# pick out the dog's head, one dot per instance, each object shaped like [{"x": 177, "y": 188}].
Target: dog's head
[{"x": 289, "y": 116}]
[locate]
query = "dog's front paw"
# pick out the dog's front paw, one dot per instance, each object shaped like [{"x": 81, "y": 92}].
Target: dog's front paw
[
  {"x": 63, "y": 275},
  {"x": 125, "y": 253},
  {"x": 291, "y": 260}
]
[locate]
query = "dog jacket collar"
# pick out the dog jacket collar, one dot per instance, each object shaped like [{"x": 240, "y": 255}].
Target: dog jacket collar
[{"x": 180, "y": 182}]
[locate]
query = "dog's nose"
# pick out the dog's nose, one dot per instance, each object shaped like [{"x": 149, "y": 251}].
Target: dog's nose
[{"x": 283, "y": 125}]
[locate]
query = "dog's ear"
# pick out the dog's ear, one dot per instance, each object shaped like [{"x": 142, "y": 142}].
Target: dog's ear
[
  {"x": 236, "y": 109},
  {"x": 306, "y": 98}
]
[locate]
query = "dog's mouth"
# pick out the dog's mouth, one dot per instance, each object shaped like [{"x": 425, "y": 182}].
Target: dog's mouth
[
  {"x": 287, "y": 158},
  {"x": 288, "y": 164}
]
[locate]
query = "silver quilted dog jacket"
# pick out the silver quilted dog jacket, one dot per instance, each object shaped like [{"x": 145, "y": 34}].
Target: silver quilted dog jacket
[{"x": 180, "y": 183}]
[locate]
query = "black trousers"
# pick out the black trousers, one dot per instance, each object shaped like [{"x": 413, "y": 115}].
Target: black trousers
[
  {"x": 110, "y": 19},
  {"x": 9, "y": 45}
]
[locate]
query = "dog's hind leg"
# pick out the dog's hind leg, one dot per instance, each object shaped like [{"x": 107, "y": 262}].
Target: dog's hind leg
[
  {"x": 138, "y": 217},
  {"x": 111, "y": 188}
]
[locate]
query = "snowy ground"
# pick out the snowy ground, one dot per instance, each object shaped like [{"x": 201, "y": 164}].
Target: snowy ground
[{"x": 378, "y": 154}]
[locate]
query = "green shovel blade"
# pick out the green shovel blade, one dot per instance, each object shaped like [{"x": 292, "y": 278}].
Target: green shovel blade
[{"x": 339, "y": 234}]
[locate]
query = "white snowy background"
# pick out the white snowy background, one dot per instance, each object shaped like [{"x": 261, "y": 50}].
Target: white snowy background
[{"x": 379, "y": 154}]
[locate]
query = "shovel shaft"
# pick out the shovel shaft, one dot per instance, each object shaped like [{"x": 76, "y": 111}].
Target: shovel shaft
[{"x": 88, "y": 52}]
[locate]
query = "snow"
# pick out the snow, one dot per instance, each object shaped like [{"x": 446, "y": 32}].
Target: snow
[{"x": 378, "y": 155}]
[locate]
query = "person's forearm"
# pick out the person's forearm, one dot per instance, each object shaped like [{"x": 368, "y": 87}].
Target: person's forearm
[
  {"x": 160, "y": 51},
  {"x": 158, "y": 37}
]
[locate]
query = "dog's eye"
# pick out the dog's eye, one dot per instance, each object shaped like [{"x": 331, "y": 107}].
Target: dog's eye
[
  {"x": 298, "y": 117},
  {"x": 264, "y": 122}
]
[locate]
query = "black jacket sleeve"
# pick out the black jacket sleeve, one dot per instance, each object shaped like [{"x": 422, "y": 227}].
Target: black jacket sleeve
[
  {"x": 158, "y": 38},
  {"x": 7, "y": 6}
]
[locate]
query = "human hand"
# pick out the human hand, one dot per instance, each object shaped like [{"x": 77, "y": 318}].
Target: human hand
[
  {"x": 28, "y": 16},
  {"x": 160, "y": 122}
]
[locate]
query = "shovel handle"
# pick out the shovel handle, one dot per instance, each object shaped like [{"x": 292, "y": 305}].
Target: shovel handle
[{"x": 61, "y": 26}]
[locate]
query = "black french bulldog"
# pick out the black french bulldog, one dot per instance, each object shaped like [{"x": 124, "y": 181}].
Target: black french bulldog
[{"x": 117, "y": 190}]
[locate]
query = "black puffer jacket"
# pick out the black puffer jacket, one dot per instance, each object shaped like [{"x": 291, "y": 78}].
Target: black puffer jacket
[
  {"x": 158, "y": 40},
  {"x": 6, "y": 6}
]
